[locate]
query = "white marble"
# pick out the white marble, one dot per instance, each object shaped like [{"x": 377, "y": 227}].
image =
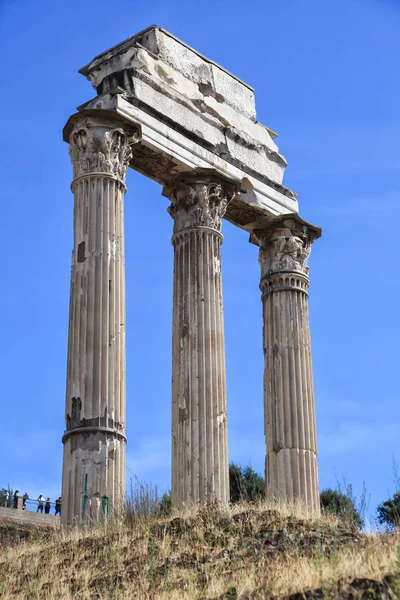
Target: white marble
[
  {"x": 199, "y": 412},
  {"x": 94, "y": 439},
  {"x": 291, "y": 469}
]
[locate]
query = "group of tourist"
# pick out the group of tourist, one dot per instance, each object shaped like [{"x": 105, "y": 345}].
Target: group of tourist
[
  {"x": 42, "y": 503},
  {"x": 46, "y": 504}
]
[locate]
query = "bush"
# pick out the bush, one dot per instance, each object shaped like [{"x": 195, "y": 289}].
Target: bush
[
  {"x": 165, "y": 506},
  {"x": 342, "y": 505},
  {"x": 389, "y": 512},
  {"x": 245, "y": 484}
]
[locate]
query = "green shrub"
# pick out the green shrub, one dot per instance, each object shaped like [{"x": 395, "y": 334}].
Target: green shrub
[
  {"x": 342, "y": 505},
  {"x": 389, "y": 512},
  {"x": 245, "y": 484}
]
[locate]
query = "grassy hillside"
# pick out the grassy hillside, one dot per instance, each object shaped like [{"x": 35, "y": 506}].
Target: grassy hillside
[{"x": 247, "y": 552}]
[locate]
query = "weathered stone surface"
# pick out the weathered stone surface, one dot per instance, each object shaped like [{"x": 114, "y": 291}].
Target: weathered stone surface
[
  {"x": 291, "y": 470},
  {"x": 26, "y": 516},
  {"x": 199, "y": 418},
  {"x": 174, "y": 62},
  {"x": 193, "y": 112},
  {"x": 94, "y": 439},
  {"x": 185, "y": 122}
]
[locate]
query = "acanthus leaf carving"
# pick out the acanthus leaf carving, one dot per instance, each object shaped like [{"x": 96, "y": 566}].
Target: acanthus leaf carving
[
  {"x": 108, "y": 152},
  {"x": 198, "y": 205},
  {"x": 285, "y": 250}
]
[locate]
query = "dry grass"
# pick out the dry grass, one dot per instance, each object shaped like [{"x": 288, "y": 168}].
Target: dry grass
[{"x": 246, "y": 552}]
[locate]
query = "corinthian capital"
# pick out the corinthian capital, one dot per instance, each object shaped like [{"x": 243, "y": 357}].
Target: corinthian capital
[
  {"x": 198, "y": 200},
  {"x": 285, "y": 245},
  {"x": 99, "y": 150}
]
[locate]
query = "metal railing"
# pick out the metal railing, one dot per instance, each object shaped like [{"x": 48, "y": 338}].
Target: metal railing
[{"x": 30, "y": 505}]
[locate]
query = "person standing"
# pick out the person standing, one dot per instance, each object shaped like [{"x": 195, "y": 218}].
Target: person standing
[
  {"x": 40, "y": 504},
  {"x": 58, "y": 506},
  {"x": 15, "y": 499},
  {"x": 25, "y": 497},
  {"x": 6, "y": 497},
  {"x": 47, "y": 506}
]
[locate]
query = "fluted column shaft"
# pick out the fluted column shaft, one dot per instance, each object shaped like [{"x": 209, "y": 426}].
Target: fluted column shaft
[
  {"x": 94, "y": 439},
  {"x": 290, "y": 429},
  {"x": 199, "y": 416}
]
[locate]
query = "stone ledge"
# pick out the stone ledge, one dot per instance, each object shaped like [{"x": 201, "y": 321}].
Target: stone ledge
[{"x": 24, "y": 516}]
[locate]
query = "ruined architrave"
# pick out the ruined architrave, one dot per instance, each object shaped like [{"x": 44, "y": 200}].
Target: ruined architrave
[{"x": 183, "y": 121}]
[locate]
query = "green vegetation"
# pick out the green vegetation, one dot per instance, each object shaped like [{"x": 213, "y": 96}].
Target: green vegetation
[
  {"x": 245, "y": 484},
  {"x": 342, "y": 506},
  {"x": 389, "y": 512}
]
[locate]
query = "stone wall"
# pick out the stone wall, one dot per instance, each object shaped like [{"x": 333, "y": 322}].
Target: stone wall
[{"x": 24, "y": 516}]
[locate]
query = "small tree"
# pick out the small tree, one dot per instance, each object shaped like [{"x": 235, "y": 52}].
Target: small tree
[
  {"x": 245, "y": 484},
  {"x": 389, "y": 512},
  {"x": 165, "y": 507},
  {"x": 3, "y": 496},
  {"x": 342, "y": 505}
]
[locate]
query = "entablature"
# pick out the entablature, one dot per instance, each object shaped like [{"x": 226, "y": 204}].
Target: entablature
[{"x": 191, "y": 114}]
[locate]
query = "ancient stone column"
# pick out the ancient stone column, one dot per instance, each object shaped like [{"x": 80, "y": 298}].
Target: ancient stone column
[
  {"x": 94, "y": 440},
  {"x": 290, "y": 432},
  {"x": 199, "y": 419}
]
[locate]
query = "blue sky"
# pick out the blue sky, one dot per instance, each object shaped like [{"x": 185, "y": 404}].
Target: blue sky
[{"x": 325, "y": 79}]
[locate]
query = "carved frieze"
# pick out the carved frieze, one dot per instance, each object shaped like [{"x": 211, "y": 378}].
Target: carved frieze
[
  {"x": 107, "y": 152},
  {"x": 198, "y": 204}
]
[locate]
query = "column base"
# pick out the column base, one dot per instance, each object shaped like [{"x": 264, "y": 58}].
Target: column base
[
  {"x": 292, "y": 476},
  {"x": 93, "y": 476}
]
